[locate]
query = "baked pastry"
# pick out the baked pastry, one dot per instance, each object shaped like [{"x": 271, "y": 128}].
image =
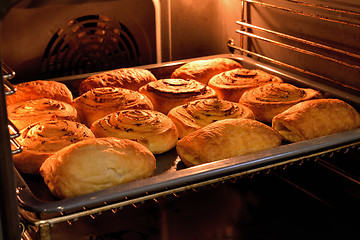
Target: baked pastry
[
  {"x": 203, "y": 70},
  {"x": 150, "y": 128},
  {"x": 166, "y": 94},
  {"x": 230, "y": 85},
  {"x": 25, "y": 113},
  {"x": 316, "y": 118},
  {"x": 100, "y": 102},
  {"x": 269, "y": 100},
  {"x": 199, "y": 113},
  {"x": 225, "y": 139},
  {"x": 41, "y": 140},
  {"x": 129, "y": 78},
  {"x": 95, "y": 164},
  {"x": 40, "y": 89}
]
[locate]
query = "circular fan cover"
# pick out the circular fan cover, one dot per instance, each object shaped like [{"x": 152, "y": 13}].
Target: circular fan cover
[{"x": 89, "y": 44}]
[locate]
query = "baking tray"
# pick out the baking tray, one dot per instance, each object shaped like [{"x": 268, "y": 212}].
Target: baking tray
[{"x": 171, "y": 175}]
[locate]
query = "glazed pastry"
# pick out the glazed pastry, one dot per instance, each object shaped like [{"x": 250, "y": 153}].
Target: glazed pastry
[
  {"x": 166, "y": 94},
  {"x": 225, "y": 139},
  {"x": 129, "y": 78},
  {"x": 203, "y": 70},
  {"x": 95, "y": 164},
  {"x": 271, "y": 99},
  {"x": 230, "y": 85},
  {"x": 316, "y": 118},
  {"x": 100, "y": 102},
  {"x": 41, "y": 140},
  {"x": 40, "y": 89},
  {"x": 150, "y": 128},
  {"x": 199, "y": 113},
  {"x": 25, "y": 113}
]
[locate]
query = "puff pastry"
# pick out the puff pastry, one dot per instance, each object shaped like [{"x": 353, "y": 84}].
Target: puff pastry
[
  {"x": 150, "y": 128},
  {"x": 197, "y": 114},
  {"x": 41, "y": 140},
  {"x": 230, "y": 85},
  {"x": 203, "y": 70},
  {"x": 23, "y": 114},
  {"x": 316, "y": 118},
  {"x": 166, "y": 94},
  {"x": 100, "y": 102},
  {"x": 225, "y": 139},
  {"x": 268, "y": 100},
  {"x": 95, "y": 164}
]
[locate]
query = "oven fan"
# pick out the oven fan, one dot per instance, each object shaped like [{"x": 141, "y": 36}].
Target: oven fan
[{"x": 89, "y": 44}]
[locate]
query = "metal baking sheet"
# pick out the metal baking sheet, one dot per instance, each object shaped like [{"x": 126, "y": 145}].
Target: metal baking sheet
[{"x": 171, "y": 174}]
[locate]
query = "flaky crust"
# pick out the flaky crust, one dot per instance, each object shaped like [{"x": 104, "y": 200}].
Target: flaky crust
[
  {"x": 203, "y": 70},
  {"x": 197, "y": 114},
  {"x": 25, "y": 113},
  {"x": 225, "y": 139},
  {"x": 269, "y": 100},
  {"x": 230, "y": 85},
  {"x": 96, "y": 164},
  {"x": 316, "y": 118},
  {"x": 129, "y": 78},
  {"x": 40, "y": 89},
  {"x": 41, "y": 140},
  {"x": 100, "y": 102},
  {"x": 150, "y": 128},
  {"x": 166, "y": 94}
]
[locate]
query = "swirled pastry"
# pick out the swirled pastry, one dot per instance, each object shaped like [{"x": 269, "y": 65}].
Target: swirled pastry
[
  {"x": 100, "y": 102},
  {"x": 316, "y": 118},
  {"x": 41, "y": 140},
  {"x": 203, "y": 70},
  {"x": 166, "y": 94},
  {"x": 225, "y": 139},
  {"x": 95, "y": 164},
  {"x": 40, "y": 89},
  {"x": 230, "y": 85},
  {"x": 23, "y": 114},
  {"x": 129, "y": 78},
  {"x": 150, "y": 128},
  {"x": 271, "y": 99},
  {"x": 199, "y": 113}
]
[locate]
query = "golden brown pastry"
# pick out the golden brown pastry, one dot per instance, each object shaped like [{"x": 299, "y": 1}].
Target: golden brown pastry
[
  {"x": 40, "y": 89},
  {"x": 271, "y": 99},
  {"x": 230, "y": 85},
  {"x": 225, "y": 139},
  {"x": 199, "y": 113},
  {"x": 316, "y": 118},
  {"x": 150, "y": 128},
  {"x": 41, "y": 140},
  {"x": 96, "y": 164},
  {"x": 100, "y": 102},
  {"x": 25, "y": 113},
  {"x": 203, "y": 70},
  {"x": 166, "y": 94},
  {"x": 129, "y": 78}
]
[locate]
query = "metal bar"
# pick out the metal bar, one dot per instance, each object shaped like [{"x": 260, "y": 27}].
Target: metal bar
[
  {"x": 9, "y": 88},
  {"x": 8, "y": 72}
]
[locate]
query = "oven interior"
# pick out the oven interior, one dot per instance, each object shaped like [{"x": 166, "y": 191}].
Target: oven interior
[{"x": 312, "y": 194}]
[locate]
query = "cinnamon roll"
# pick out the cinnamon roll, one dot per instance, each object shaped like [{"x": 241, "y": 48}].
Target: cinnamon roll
[
  {"x": 23, "y": 114},
  {"x": 225, "y": 139},
  {"x": 230, "y": 85},
  {"x": 199, "y": 113},
  {"x": 271, "y": 99},
  {"x": 129, "y": 78},
  {"x": 150, "y": 128},
  {"x": 166, "y": 94},
  {"x": 100, "y": 102},
  {"x": 203, "y": 70},
  {"x": 41, "y": 140},
  {"x": 96, "y": 164},
  {"x": 316, "y": 118}
]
